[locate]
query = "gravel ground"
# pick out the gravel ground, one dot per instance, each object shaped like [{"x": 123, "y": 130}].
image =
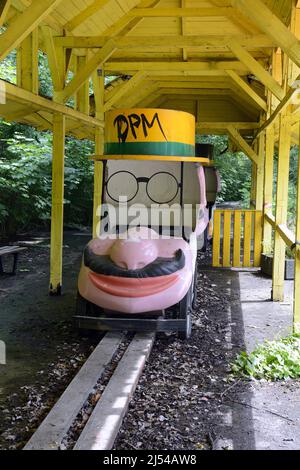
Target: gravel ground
[
  {"x": 181, "y": 393},
  {"x": 186, "y": 398}
]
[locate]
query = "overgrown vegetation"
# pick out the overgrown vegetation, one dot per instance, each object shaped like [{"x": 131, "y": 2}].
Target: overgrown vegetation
[{"x": 273, "y": 360}]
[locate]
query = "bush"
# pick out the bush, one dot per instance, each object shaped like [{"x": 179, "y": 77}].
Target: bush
[{"x": 273, "y": 360}]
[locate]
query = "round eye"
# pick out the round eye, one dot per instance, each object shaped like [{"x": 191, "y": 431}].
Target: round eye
[
  {"x": 162, "y": 188},
  {"x": 122, "y": 183}
]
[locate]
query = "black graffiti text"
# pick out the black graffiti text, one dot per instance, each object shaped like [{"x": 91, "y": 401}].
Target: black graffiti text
[{"x": 133, "y": 122}]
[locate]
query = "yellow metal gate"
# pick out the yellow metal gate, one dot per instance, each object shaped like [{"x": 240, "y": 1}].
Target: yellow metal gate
[{"x": 237, "y": 238}]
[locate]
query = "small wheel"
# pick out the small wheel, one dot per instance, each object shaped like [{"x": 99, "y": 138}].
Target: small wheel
[{"x": 185, "y": 312}]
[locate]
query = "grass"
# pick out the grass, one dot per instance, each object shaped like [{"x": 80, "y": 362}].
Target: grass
[{"x": 273, "y": 360}]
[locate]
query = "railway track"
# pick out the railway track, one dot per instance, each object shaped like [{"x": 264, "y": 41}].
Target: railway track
[{"x": 104, "y": 385}]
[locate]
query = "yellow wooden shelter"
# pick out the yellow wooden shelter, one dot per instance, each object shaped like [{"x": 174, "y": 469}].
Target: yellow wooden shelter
[{"x": 234, "y": 64}]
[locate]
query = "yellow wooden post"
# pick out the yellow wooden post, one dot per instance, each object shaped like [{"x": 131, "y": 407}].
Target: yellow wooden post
[
  {"x": 253, "y": 186},
  {"x": 27, "y": 63},
  {"x": 57, "y": 204},
  {"x": 281, "y": 205},
  {"x": 297, "y": 260},
  {"x": 268, "y": 189},
  {"x": 259, "y": 190},
  {"x": 82, "y": 99},
  {"x": 98, "y": 84}
]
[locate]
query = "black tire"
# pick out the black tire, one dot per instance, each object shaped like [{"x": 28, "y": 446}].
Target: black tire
[
  {"x": 185, "y": 313},
  {"x": 82, "y": 306}
]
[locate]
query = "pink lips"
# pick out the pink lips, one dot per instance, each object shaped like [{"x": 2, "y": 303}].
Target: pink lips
[{"x": 132, "y": 287}]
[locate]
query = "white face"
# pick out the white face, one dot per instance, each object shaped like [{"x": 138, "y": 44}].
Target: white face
[{"x": 151, "y": 182}]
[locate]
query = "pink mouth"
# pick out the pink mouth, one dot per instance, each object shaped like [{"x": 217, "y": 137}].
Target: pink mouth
[{"x": 132, "y": 287}]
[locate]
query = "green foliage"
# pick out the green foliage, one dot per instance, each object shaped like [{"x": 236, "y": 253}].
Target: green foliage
[
  {"x": 235, "y": 170},
  {"x": 8, "y": 68},
  {"x": 273, "y": 360},
  {"x": 25, "y": 179}
]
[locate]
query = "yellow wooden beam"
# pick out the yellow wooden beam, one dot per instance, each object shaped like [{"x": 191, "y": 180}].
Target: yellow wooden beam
[
  {"x": 83, "y": 93},
  {"x": 257, "y": 69},
  {"x": 54, "y": 56},
  {"x": 259, "y": 196},
  {"x": 173, "y": 42},
  {"x": 127, "y": 88},
  {"x": 270, "y": 24},
  {"x": 247, "y": 89},
  {"x": 97, "y": 60},
  {"x": 281, "y": 206},
  {"x": 99, "y": 92},
  {"x": 224, "y": 125},
  {"x": 194, "y": 85},
  {"x": 180, "y": 12},
  {"x": 297, "y": 258},
  {"x": 57, "y": 204},
  {"x": 210, "y": 68},
  {"x": 85, "y": 14},
  {"x": 27, "y": 98},
  {"x": 268, "y": 189},
  {"x": 4, "y": 7},
  {"x": 285, "y": 102},
  {"x": 143, "y": 94},
  {"x": 126, "y": 23},
  {"x": 242, "y": 144},
  {"x": 25, "y": 24},
  {"x": 27, "y": 63}
]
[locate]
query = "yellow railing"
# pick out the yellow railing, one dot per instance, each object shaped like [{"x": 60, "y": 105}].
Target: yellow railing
[
  {"x": 237, "y": 238},
  {"x": 285, "y": 233}
]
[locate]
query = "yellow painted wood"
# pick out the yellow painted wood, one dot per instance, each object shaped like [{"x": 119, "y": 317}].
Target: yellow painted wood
[
  {"x": 247, "y": 238},
  {"x": 99, "y": 91},
  {"x": 217, "y": 239},
  {"x": 227, "y": 239},
  {"x": 25, "y": 97},
  {"x": 85, "y": 14},
  {"x": 268, "y": 189},
  {"x": 247, "y": 89},
  {"x": 196, "y": 67},
  {"x": 297, "y": 260},
  {"x": 57, "y": 204},
  {"x": 126, "y": 23},
  {"x": 98, "y": 184},
  {"x": 27, "y": 63},
  {"x": 57, "y": 69},
  {"x": 253, "y": 186},
  {"x": 246, "y": 224},
  {"x": 259, "y": 193},
  {"x": 258, "y": 220},
  {"x": 174, "y": 42},
  {"x": 4, "y": 7},
  {"x": 281, "y": 206},
  {"x": 237, "y": 238},
  {"x": 257, "y": 69},
  {"x": 83, "y": 93},
  {"x": 222, "y": 126},
  {"x": 25, "y": 24},
  {"x": 180, "y": 12},
  {"x": 163, "y": 158},
  {"x": 270, "y": 24},
  {"x": 242, "y": 144},
  {"x": 271, "y": 220},
  {"x": 127, "y": 88},
  {"x": 96, "y": 61}
]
